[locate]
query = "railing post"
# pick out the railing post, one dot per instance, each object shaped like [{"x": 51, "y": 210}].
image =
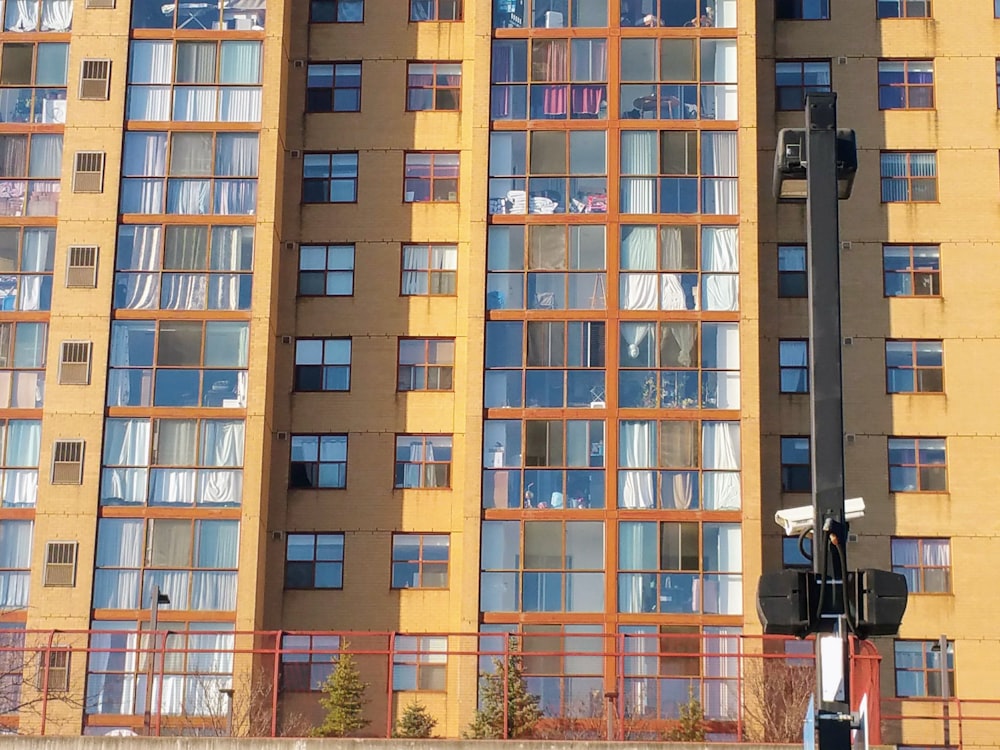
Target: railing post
[
  {"x": 388, "y": 684},
  {"x": 45, "y": 680},
  {"x": 620, "y": 645},
  {"x": 275, "y": 682},
  {"x": 159, "y": 675},
  {"x": 506, "y": 684},
  {"x": 739, "y": 686}
]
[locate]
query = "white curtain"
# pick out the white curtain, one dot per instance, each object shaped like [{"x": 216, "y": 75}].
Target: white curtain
[
  {"x": 126, "y": 444},
  {"x": 638, "y": 290},
  {"x": 21, "y": 15},
  {"x": 15, "y": 561},
  {"x": 672, "y": 294},
  {"x": 721, "y": 354},
  {"x": 721, "y": 668},
  {"x": 415, "y": 271},
  {"x": 639, "y": 157},
  {"x": 720, "y": 446},
  {"x": 222, "y": 446},
  {"x": 240, "y": 104},
  {"x": 227, "y": 255},
  {"x": 141, "y": 290},
  {"x": 20, "y": 480},
  {"x": 145, "y": 156},
  {"x": 638, "y": 446},
  {"x": 718, "y": 159},
  {"x": 36, "y": 255},
  {"x": 120, "y": 545},
  {"x": 173, "y": 486},
  {"x": 641, "y": 669},
  {"x": 195, "y": 103},
  {"x": 236, "y": 156},
  {"x": 111, "y": 669},
  {"x": 151, "y": 66},
  {"x": 57, "y": 15},
  {"x": 719, "y": 255},
  {"x": 719, "y": 70}
]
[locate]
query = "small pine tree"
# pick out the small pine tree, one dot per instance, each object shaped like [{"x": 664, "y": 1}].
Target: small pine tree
[
  {"x": 522, "y": 707},
  {"x": 415, "y": 723},
  {"x": 344, "y": 699},
  {"x": 690, "y": 721}
]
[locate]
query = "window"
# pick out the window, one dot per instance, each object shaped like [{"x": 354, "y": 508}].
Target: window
[
  {"x": 175, "y": 462},
  {"x": 20, "y": 440},
  {"x": 201, "y": 173},
  {"x": 30, "y": 166},
  {"x": 318, "y": 462},
  {"x": 548, "y": 172},
  {"x": 195, "y": 81},
  {"x": 420, "y": 663},
  {"x": 26, "y": 261},
  {"x": 426, "y": 365},
  {"x": 33, "y": 76},
  {"x": 909, "y": 176},
  {"x": 307, "y": 661},
  {"x": 568, "y": 79},
  {"x": 435, "y": 10},
  {"x": 336, "y": 11},
  {"x": 998, "y": 61},
  {"x": 322, "y": 364},
  {"x": 904, "y": 8},
  {"x": 420, "y": 561},
  {"x": 793, "y": 79},
  {"x": 179, "y": 363},
  {"x": 796, "y": 471},
  {"x": 680, "y": 13},
  {"x": 697, "y": 268},
  {"x": 551, "y": 14},
  {"x": 326, "y": 270},
  {"x": 67, "y": 462},
  {"x": 912, "y": 270},
  {"x": 918, "y": 669},
  {"x": 543, "y": 464},
  {"x": 15, "y": 563},
  {"x": 906, "y": 84},
  {"x": 678, "y": 172},
  {"x": 542, "y": 566},
  {"x": 679, "y": 567},
  {"x": 333, "y": 87},
  {"x": 423, "y": 461},
  {"x": 435, "y": 85},
  {"x": 429, "y": 270},
  {"x": 660, "y": 79},
  {"x": 430, "y": 177},
  {"x": 793, "y": 363},
  {"x": 330, "y": 178},
  {"x": 917, "y": 465},
  {"x": 679, "y": 465},
  {"x": 314, "y": 561},
  {"x": 22, "y": 365},
  {"x": 193, "y": 562},
  {"x": 803, "y": 10},
  {"x": 47, "y": 15},
  {"x": 546, "y": 267},
  {"x": 697, "y": 365},
  {"x": 95, "y": 79},
  {"x": 187, "y": 267},
  {"x": 791, "y": 554},
  {"x": 215, "y": 15},
  {"x": 914, "y": 366},
  {"x": 792, "y": 275},
  {"x": 542, "y": 364},
  {"x": 926, "y": 563}
]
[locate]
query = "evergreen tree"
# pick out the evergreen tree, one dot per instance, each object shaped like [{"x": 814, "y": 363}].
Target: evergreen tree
[
  {"x": 690, "y": 721},
  {"x": 415, "y": 723},
  {"x": 522, "y": 707},
  {"x": 344, "y": 699}
]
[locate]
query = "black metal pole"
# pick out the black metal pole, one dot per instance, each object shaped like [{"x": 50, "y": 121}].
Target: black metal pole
[{"x": 826, "y": 399}]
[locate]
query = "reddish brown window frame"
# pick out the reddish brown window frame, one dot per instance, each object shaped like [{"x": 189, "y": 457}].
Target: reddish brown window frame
[
  {"x": 436, "y": 184},
  {"x": 909, "y": 89},
  {"x": 918, "y": 466},
  {"x": 420, "y": 562},
  {"x": 920, "y": 277},
  {"x": 446, "y": 96},
  {"x": 436, "y": 277},
  {"x": 926, "y": 378},
  {"x": 922, "y": 568},
  {"x": 429, "y": 371}
]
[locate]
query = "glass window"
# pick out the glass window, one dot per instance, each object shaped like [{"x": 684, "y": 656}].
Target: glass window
[
  {"x": 919, "y": 669},
  {"x": 909, "y": 177},
  {"x": 549, "y": 14},
  {"x": 803, "y": 10},
  {"x": 679, "y": 13},
  {"x": 30, "y": 166},
  {"x": 195, "y": 81},
  {"x": 429, "y": 270},
  {"x": 917, "y": 465},
  {"x": 420, "y": 663},
  {"x": 336, "y": 11},
  {"x": 792, "y": 276},
  {"x": 307, "y": 661},
  {"x": 19, "y": 445},
  {"x": 318, "y": 462},
  {"x": 423, "y": 461},
  {"x": 330, "y": 178},
  {"x": 433, "y": 86},
  {"x": 22, "y": 365},
  {"x": 314, "y": 561},
  {"x": 911, "y": 270},
  {"x": 793, "y": 364},
  {"x": 333, "y": 87},
  {"x": 208, "y": 16},
  {"x": 326, "y": 270},
  {"x": 323, "y": 364},
  {"x": 904, "y": 8},
  {"x": 914, "y": 366},
  {"x": 420, "y": 561},
  {"x": 926, "y": 563},
  {"x": 796, "y": 469},
  {"x": 906, "y": 84},
  {"x": 430, "y": 177},
  {"x": 26, "y": 261},
  {"x": 33, "y": 76},
  {"x": 793, "y": 79},
  {"x": 15, "y": 563},
  {"x": 435, "y": 10},
  {"x": 425, "y": 365}
]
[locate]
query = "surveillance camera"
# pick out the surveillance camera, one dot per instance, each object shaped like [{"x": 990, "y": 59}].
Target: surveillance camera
[{"x": 796, "y": 520}]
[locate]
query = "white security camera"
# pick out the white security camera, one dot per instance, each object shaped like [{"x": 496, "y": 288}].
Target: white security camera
[{"x": 796, "y": 520}]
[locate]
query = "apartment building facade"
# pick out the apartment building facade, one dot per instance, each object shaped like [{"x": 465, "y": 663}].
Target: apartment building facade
[{"x": 442, "y": 317}]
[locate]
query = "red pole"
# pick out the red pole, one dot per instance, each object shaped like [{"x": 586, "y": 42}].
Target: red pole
[
  {"x": 275, "y": 681},
  {"x": 506, "y": 684},
  {"x": 739, "y": 687},
  {"x": 388, "y": 685},
  {"x": 45, "y": 681},
  {"x": 620, "y": 645},
  {"x": 160, "y": 671}
]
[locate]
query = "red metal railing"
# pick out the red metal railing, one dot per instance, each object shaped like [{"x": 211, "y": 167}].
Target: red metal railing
[{"x": 589, "y": 685}]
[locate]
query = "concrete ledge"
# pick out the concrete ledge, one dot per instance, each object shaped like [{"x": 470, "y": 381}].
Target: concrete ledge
[{"x": 255, "y": 743}]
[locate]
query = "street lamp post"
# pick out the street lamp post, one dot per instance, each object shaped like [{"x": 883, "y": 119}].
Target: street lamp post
[{"x": 155, "y": 600}]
